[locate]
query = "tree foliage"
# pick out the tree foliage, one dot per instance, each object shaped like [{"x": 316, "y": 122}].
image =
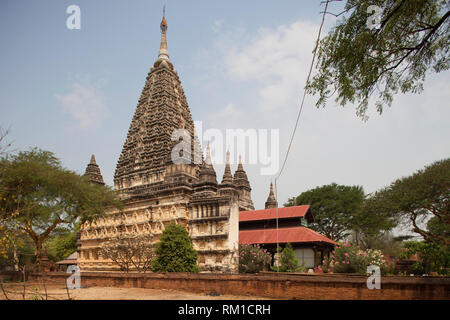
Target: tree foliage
[
  {"x": 384, "y": 241},
  {"x": 62, "y": 243},
  {"x": 288, "y": 260},
  {"x": 371, "y": 226},
  {"x": 418, "y": 197},
  {"x": 174, "y": 251},
  {"x": 335, "y": 208},
  {"x": 38, "y": 193},
  {"x": 356, "y": 62},
  {"x": 433, "y": 257}
]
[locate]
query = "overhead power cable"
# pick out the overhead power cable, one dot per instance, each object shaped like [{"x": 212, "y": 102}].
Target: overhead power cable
[{"x": 296, "y": 126}]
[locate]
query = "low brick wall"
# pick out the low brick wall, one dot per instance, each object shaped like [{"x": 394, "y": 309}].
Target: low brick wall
[{"x": 271, "y": 285}]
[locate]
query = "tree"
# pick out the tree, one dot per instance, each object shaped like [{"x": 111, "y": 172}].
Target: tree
[
  {"x": 356, "y": 62},
  {"x": 174, "y": 251},
  {"x": 288, "y": 260},
  {"x": 62, "y": 244},
  {"x": 371, "y": 226},
  {"x": 334, "y": 208},
  {"x": 4, "y": 145},
  {"x": 21, "y": 257},
  {"x": 130, "y": 252},
  {"x": 384, "y": 241},
  {"x": 7, "y": 228},
  {"x": 434, "y": 226},
  {"x": 418, "y": 197},
  {"x": 41, "y": 196},
  {"x": 433, "y": 257},
  {"x": 290, "y": 202}
]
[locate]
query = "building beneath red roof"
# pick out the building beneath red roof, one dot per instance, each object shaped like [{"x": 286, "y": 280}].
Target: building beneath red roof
[{"x": 278, "y": 226}]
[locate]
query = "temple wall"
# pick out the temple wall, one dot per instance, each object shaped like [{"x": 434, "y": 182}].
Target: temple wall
[
  {"x": 282, "y": 286},
  {"x": 139, "y": 218}
]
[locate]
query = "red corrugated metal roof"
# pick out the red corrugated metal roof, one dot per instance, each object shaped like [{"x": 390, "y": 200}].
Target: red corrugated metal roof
[
  {"x": 285, "y": 235},
  {"x": 268, "y": 214}
]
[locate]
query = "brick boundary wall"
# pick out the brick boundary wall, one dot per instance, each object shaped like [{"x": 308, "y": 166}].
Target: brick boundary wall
[{"x": 270, "y": 285}]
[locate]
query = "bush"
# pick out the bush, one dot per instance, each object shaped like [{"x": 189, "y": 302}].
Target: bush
[
  {"x": 174, "y": 251},
  {"x": 433, "y": 257},
  {"x": 288, "y": 261},
  {"x": 349, "y": 258},
  {"x": 253, "y": 259}
]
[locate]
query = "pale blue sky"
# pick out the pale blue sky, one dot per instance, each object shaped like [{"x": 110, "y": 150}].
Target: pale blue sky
[{"x": 242, "y": 65}]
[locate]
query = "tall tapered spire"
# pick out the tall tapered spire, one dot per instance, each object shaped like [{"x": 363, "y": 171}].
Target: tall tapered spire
[
  {"x": 208, "y": 155},
  {"x": 227, "y": 177},
  {"x": 240, "y": 179},
  {"x": 93, "y": 172},
  {"x": 163, "y": 51},
  {"x": 162, "y": 108},
  {"x": 207, "y": 172},
  {"x": 271, "y": 201}
]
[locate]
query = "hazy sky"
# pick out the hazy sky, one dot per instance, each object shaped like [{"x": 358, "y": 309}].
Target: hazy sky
[{"x": 242, "y": 64}]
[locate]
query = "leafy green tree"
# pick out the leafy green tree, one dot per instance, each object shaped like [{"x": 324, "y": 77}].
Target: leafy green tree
[
  {"x": 384, "y": 241},
  {"x": 174, "y": 251},
  {"x": 22, "y": 256},
  {"x": 288, "y": 260},
  {"x": 418, "y": 197},
  {"x": 356, "y": 61},
  {"x": 62, "y": 244},
  {"x": 433, "y": 257},
  {"x": 8, "y": 228},
  {"x": 371, "y": 226},
  {"x": 334, "y": 208},
  {"x": 41, "y": 196},
  {"x": 290, "y": 202},
  {"x": 436, "y": 227}
]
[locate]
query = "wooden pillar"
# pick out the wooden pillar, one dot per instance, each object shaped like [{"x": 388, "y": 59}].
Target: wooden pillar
[{"x": 315, "y": 256}]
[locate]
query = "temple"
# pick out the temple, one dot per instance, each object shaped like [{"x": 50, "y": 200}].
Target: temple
[
  {"x": 157, "y": 190},
  {"x": 160, "y": 184}
]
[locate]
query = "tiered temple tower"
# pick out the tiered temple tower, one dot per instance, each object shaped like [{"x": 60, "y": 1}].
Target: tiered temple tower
[
  {"x": 158, "y": 190},
  {"x": 240, "y": 179},
  {"x": 271, "y": 202},
  {"x": 93, "y": 172}
]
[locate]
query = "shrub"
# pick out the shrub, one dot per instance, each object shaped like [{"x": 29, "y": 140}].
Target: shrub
[
  {"x": 253, "y": 259},
  {"x": 174, "y": 251},
  {"x": 433, "y": 257},
  {"x": 349, "y": 258},
  {"x": 288, "y": 261}
]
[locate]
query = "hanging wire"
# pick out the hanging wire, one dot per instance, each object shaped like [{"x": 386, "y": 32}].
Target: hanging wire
[{"x": 296, "y": 126}]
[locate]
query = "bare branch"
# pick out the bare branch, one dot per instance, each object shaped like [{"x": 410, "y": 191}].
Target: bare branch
[{"x": 4, "y": 145}]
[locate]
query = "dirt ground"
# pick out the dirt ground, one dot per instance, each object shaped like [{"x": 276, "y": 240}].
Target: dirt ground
[{"x": 37, "y": 292}]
